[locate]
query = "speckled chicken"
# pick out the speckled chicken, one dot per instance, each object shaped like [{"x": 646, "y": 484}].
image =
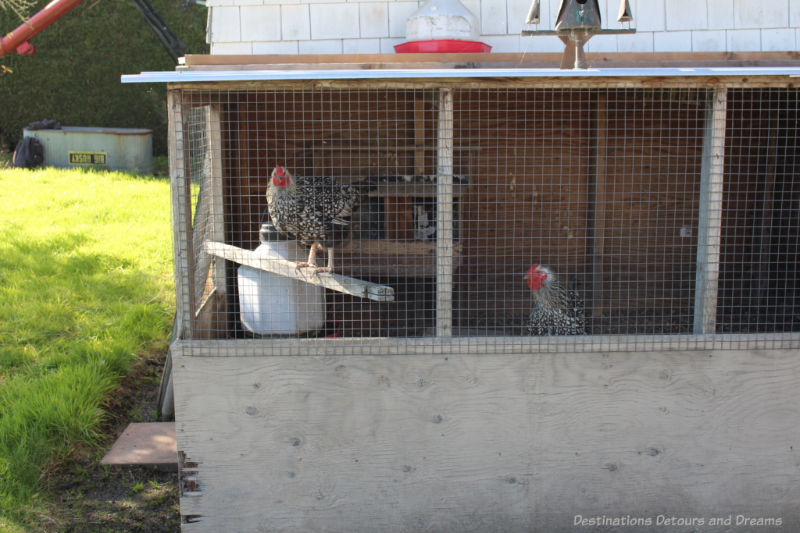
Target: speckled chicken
[
  {"x": 314, "y": 211},
  {"x": 556, "y": 309}
]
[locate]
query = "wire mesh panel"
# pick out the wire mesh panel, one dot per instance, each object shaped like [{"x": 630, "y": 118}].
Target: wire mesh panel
[{"x": 484, "y": 218}]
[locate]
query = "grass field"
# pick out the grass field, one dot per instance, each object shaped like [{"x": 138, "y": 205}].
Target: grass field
[{"x": 85, "y": 287}]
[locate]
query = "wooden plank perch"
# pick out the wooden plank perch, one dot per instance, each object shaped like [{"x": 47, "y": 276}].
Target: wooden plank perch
[{"x": 289, "y": 269}]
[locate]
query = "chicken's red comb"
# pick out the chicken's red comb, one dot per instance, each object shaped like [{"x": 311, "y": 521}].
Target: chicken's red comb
[
  {"x": 279, "y": 170},
  {"x": 532, "y": 269}
]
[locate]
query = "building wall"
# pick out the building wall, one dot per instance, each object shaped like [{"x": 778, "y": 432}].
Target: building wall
[{"x": 336, "y": 27}]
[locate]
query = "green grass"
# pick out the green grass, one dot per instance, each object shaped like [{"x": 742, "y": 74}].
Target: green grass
[{"x": 85, "y": 286}]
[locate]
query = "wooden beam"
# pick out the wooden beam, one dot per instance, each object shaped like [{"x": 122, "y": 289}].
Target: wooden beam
[
  {"x": 209, "y": 279},
  {"x": 419, "y": 137},
  {"x": 289, "y": 269},
  {"x": 599, "y": 206},
  {"x": 444, "y": 216},
  {"x": 782, "y": 81},
  {"x": 709, "y": 233},
  {"x": 180, "y": 183},
  {"x": 522, "y": 59},
  {"x": 766, "y": 249}
]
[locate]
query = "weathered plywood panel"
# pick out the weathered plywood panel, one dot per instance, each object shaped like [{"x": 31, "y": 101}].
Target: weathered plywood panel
[{"x": 479, "y": 443}]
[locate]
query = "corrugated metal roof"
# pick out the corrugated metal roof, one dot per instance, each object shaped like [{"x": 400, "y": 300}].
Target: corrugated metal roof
[{"x": 188, "y": 76}]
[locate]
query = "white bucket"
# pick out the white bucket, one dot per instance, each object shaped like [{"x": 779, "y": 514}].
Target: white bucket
[{"x": 271, "y": 304}]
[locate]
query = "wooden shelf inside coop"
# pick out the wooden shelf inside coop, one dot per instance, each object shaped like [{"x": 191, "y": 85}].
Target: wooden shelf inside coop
[
  {"x": 398, "y": 259},
  {"x": 412, "y": 190}
]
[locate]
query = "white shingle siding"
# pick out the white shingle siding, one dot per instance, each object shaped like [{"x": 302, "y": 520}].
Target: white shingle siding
[
  {"x": 334, "y": 21},
  {"x": 295, "y": 22},
  {"x": 720, "y": 14},
  {"x": 685, "y": 15},
  {"x": 260, "y": 23},
  {"x": 776, "y": 40},
  {"x": 794, "y": 13},
  {"x": 375, "y": 26},
  {"x": 708, "y": 41},
  {"x": 373, "y": 20},
  {"x": 761, "y": 14}
]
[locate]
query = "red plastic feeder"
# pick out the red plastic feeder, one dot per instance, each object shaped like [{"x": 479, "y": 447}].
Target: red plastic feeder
[{"x": 441, "y": 46}]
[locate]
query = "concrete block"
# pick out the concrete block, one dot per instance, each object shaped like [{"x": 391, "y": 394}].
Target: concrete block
[
  {"x": 334, "y": 21},
  {"x": 261, "y": 23},
  {"x": 295, "y": 22},
  {"x": 373, "y": 20}
]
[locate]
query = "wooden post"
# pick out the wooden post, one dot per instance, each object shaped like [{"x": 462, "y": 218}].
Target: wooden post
[
  {"x": 444, "y": 216},
  {"x": 419, "y": 137},
  {"x": 599, "y": 206},
  {"x": 765, "y": 251},
  {"x": 209, "y": 277},
  {"x": 181, "y": 215},
  {"x": 710, "y": 214}
]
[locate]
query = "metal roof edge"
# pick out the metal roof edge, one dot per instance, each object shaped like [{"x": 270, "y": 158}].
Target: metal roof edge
[{"x": 188, "y": 76}]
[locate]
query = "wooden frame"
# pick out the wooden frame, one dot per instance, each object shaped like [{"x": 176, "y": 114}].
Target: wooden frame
[
  {"x": 480, "y": 433},
  {"x": 708, "y": 248}
]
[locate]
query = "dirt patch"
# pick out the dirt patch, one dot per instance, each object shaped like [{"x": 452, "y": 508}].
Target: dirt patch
[{"x": 88, "y": 497}]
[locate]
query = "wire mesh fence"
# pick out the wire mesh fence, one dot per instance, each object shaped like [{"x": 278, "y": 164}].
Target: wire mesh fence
[{"x": 497, "y": 219}]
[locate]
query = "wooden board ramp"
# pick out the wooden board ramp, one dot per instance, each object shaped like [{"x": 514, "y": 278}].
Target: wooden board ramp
[
  {"x": 145, "y": 444},
  {"x": 335, "y": 282}
]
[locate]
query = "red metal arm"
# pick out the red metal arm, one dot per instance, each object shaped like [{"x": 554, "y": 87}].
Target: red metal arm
[{"x": 19, "y": 39}]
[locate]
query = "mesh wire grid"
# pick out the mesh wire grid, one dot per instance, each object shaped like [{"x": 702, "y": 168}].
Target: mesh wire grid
[{"x": 667, "y": 217}]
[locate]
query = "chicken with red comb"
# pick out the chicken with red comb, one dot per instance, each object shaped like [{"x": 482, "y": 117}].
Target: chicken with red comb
[
  {"x": 556, "y": 309},
  {"x": 314, "y": 211}
]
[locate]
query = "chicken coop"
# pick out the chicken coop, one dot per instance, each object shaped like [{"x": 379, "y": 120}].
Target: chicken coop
[{"x": 427, "y": 380}]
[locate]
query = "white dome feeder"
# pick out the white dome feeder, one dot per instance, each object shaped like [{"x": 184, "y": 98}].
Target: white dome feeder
[{"x": 442, "y": 26}]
